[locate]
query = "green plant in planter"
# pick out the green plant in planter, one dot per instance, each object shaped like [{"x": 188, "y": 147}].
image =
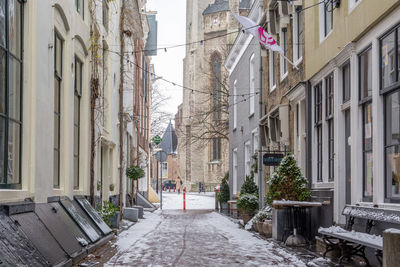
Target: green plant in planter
[
  {"x": 223, "y": 196},
  {"x": 107, "y": 212},
  {"x": 249, "y": 187},
  {"x": 262, "y": 215},
  {"x": 134, "y": 172},
  {"x": 287, "y": 182},
  {"x": 247, "y": 203}
]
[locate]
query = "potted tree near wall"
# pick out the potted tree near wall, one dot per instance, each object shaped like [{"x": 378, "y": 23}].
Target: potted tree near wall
[
  {"x": 286, "y": 183},
  {"x": 248, "y": 206},
  {"x": 224, "y": 196},
  {"x": 247, "y": 203},
  {"x": 134, "y": 173}
]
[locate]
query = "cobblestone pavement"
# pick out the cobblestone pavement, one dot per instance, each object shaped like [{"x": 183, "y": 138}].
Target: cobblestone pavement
[{"x": 192, "y": 238}]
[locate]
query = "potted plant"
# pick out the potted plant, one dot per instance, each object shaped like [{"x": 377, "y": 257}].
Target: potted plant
[
  {"x": 247, "y": 205},
  {"x": 267, "y": 224},
  {"x": 259, "y": 220},
  {"x": 223, "y": 196},
  {"x": 112, "y": 187},
  {"x": 134, "y": 173},
  {"x": 109, "y": 213},
  {"x": 287, "y": 182}
]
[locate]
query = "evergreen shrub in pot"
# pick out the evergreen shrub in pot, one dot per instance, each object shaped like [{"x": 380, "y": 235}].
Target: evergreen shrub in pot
[
  {"x": 287, "y": 182},
  {"x": 223, "y": 196},
  {"x": 247, "y": 205}
]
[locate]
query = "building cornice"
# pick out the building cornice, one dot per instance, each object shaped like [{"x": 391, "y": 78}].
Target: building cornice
[{"x": 335, "y": 62}]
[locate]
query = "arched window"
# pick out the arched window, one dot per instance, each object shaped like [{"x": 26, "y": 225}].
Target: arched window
[{"x": 216, "y": 85}]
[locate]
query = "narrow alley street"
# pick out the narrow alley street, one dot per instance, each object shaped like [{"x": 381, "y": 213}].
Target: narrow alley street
[{"x": 192, "y": 238}]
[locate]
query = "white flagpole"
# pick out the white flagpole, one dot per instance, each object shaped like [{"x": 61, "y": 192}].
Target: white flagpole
[{"x": 288, "y": 60}]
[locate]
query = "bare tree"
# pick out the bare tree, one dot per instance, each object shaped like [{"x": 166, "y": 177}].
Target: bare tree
[{"x": 159, "y": 117}]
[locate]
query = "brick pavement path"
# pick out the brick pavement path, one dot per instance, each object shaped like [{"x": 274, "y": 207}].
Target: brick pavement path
[{"x": 193, "y": 238}]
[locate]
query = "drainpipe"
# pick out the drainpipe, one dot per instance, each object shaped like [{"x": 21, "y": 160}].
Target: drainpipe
[
  {"x": 309, "y": 134},
  {"x": 261, "y": 183}
]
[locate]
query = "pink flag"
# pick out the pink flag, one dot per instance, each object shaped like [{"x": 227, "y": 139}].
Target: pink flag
[{"x": 258, "y": 32}]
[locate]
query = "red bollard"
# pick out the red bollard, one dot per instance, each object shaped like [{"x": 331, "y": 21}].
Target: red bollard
[
  {"x": 169, "y": 188},
  {"x": 184, "y": 198},
  {"x": 174, "y": 189}
]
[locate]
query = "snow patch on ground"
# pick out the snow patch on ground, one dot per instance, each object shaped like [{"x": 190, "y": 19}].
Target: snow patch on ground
[{"x": 194, "y": 201}]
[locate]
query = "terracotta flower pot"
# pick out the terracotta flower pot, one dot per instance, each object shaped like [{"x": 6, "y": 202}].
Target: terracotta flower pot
[
  {"x": 255, "y": 226},
  {"x": 246, "y": 217},
  {"x": 267, "y": 228}
]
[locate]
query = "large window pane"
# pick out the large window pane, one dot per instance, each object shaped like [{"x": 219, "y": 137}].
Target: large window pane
[
  {"x": 346, "y": 83},
  {"x": 56, "y": 180},
  {"x": 14, "y": 27},
  {"x": 76, "y": 173},
  {"x": 300, "y": 34},
  {"x": 3, "y": 23},
  {"x": 13, "y": 153},
  {"x": 56, "y": 131},
  {"x": 76, "y": 140},
  {"x": 367, "y": 127},
  {"x": 2, "y": 149},
  {"x": 393, "y": 119},
  {"x": 367, "y": 151},
  {"x": 58, "y": 56},
  {"x": 328, "y": 10},
  {"x": 393, "y": 171},
  {"x": 2, "y": 82},
  {"x": 398, "y": 53},
  {"x": 14, "y": 85},
  {"x": 365, "y": 74},
  {"x": 388, "y": 60},
  {"x": 368, "y": 178}
]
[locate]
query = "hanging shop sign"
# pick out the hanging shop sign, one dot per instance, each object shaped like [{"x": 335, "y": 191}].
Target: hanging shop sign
[{"x": 272, "y": 159}]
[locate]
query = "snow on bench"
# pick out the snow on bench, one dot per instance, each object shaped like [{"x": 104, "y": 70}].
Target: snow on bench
[{"x": 368, "y": 240}]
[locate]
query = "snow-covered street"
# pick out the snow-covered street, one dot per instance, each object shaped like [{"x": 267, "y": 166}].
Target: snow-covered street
[
  {"x": 197, "y": 237},
  {"x": 200, "y": 238}
]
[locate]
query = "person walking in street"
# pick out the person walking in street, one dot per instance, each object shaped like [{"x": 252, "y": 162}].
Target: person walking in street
[{"x": 178, "y": 184}]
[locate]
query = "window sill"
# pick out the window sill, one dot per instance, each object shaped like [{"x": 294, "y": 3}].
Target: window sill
[
  {"x": 214, "y": 162},
  {"x": 251, "y": 115},
  {"x": 234, "y": 129},
  {"x": 325, "y": 37},
  {"x": 272, "y": 88}
]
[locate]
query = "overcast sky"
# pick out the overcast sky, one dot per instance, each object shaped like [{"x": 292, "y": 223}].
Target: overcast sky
[{"x": 171, "y": 17}]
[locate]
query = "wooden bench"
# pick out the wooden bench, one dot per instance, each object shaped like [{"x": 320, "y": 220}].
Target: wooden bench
[{"x": 352, "y": 243}]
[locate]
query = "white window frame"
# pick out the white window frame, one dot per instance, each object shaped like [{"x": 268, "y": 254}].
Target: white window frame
[
  {"x": 254, "y": 139},
  {"x": 272, "y": 74},
  {"x": 247, "y": 158},
  {"x": 234, "y": 104},
  {"x": 283, "y": 61},
  {"x": 297, "y": 59},
  {"x": 353, "y": 4},
  {"x": 252, "y": 84},
  {"x": 322, "y": 34},
  {"x": 235, "y": 167}
]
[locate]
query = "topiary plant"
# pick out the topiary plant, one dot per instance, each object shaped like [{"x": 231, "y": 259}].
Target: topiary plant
[
  {"x": 249, "y": 187},
  {"x": 223, "y": 196},
  {"x": 247, "y": 203},
  {"x": 287, "y": 182},
  {"x": 134, "y": 172}
]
